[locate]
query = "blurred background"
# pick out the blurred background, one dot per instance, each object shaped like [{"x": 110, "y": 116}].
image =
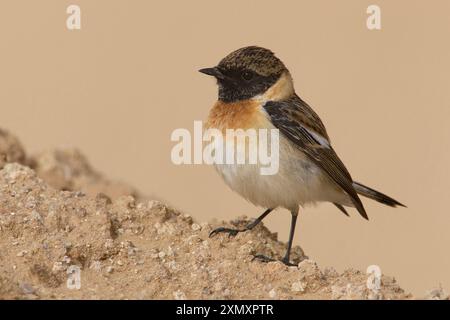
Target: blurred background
[{"x": 118, "y": 87}]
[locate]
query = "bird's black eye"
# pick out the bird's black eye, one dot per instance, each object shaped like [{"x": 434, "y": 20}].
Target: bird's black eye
[{"x": 247, "y": 75}]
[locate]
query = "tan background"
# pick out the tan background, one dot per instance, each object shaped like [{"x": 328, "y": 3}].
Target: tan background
[{"x": 117, "y": 88}]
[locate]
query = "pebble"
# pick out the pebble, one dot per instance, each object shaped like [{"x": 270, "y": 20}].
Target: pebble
[
  {"x": 153, "y": 204},
  {"x": 109, "y": 269},
  {"x": 36, "y": 216},
  {"x": 27, "y": 288},
  {"x": 172, "y": 265},
  {"x": 57, "y": 266},
  {"x": 140, "y": 206},
  {"x": 272, "y": 293},
  {"x": 170, "y": 252},
  {"x": 298, "y": 287},
  {"x": 22, "y": 253},
  {"x": 179, "y": 295},
  {"x": 218, "y": 286},
  {"x": 154, "y": 255}
]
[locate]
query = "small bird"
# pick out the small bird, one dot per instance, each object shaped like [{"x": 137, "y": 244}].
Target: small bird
[{"x": 256, "y": 91}]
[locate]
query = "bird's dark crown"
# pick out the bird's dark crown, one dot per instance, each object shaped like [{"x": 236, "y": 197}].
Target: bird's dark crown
[{"x": 246, "y": 73}]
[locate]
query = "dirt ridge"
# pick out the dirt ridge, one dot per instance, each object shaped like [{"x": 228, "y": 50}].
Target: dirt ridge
[{"x": 55, "y": 226}]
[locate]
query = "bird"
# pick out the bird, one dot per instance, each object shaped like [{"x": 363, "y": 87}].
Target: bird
[{"x": 256, "y": 90}]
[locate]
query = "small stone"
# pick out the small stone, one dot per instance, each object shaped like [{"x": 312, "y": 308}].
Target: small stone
[
  {"x": 27, "y": 288},
  {"x": 298, "y": 287},
  {"x": 179, "y": 295},
  {"x": 119, "y": 263},
  {"x": 22, "y": 253},
  {"x": 36, "y": 216},
  {"x": 140, "y": 206},
  {"x": 337, "y": 292},
  {"x": 218, "y": 286},
  {"x": 172, "y": 265},
  {"x": 109, "y": 243},
  {"x": 161, "y": 254},
  {"x": 58, "y": 266},
  {"x": 273, "y": 266},
  {"x": 245, "y": 249},
  {"x": 309, "y": 268},
  {"x": 292, "y": 268},
  {"x": 154, "y": 255},
  {"x": 272, "y": 293},
  {"x": 195, "y": 227},
  {"x": 109, "y": 269},
  {"x": 153, "y": 204},
  {"x": 170, "y": 252}
]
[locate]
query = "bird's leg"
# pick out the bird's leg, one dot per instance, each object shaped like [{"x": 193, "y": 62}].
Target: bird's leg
[
  {"x": 285, "y": 260},
  {"x": 250, "y": 226}
]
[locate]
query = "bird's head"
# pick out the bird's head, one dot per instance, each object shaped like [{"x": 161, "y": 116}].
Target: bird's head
[{"x": 246, "y": 73}]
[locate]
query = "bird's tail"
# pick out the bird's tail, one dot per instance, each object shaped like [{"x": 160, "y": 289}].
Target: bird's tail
[{"x": 375, "y": 195}]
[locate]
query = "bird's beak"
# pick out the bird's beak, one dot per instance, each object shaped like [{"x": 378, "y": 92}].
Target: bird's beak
[{"x": 215, "y": 72}]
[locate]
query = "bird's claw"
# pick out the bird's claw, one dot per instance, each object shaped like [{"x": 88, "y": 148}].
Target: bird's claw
[
  {"x": 231, "y": 232},
  {"x": 266, "y": 259},
  {"x": 288, "y": 263},
  {"x": 262, "y": 258}
]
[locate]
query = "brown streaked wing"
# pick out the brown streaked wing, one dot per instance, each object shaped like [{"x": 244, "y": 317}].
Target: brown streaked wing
[
  {"x": 300, "y": 111},
  {"x": 296, "y": 120}
]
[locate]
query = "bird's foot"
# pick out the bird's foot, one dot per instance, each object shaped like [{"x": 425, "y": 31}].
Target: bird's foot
[
  {"x": 231, "y": 232},
  {"x": 266, "y": 259},
  {"x": 263, "y": 258}
]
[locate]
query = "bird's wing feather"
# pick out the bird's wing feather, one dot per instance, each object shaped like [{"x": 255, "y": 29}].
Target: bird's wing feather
[
  {"x": 340, "y": 207},
  {"x": 301, "y": 125}
]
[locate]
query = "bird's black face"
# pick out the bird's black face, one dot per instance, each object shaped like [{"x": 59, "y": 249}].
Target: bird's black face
[
  {"x": 240, "y": 83},
  {"x": 246, "y": 73}
]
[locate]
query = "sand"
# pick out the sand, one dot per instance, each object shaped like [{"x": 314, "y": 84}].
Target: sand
[{"x": 67, "y": 232}]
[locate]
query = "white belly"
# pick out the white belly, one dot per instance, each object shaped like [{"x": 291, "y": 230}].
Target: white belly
[{"x": 298, "y": 181}]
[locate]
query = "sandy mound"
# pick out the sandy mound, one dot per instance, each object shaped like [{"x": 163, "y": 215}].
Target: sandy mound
[{"x": 123, "y": 248}]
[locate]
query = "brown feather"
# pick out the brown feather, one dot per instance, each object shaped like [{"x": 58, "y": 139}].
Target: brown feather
[{"x": 295, "y": 119}]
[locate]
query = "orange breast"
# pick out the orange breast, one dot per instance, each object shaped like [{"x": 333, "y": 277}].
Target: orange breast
[{"x": 237, "y": 115}]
